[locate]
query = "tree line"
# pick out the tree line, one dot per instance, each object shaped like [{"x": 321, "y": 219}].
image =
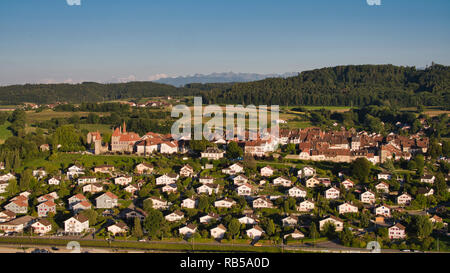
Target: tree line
[{"x": 352, "y": 85}]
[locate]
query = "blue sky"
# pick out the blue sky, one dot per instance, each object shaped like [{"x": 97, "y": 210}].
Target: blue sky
[{"x": 115, "y": 40}]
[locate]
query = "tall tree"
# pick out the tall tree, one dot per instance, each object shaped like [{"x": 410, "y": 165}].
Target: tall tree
[
  {"x": 360, "y": 169},
  {"x": 137, "y": 228}
]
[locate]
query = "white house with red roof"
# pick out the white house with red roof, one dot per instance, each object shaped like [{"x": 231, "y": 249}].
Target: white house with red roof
[
  {"x": 108, "y": 200},
  {"x": 45, "y": 208},
  {"x": 41, "y": 226}
]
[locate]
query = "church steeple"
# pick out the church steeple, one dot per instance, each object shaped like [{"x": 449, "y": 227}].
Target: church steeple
[{"x": 124, "y": 127}]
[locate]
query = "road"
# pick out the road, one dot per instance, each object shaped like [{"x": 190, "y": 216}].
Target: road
[{"x": 327, "y": 246}]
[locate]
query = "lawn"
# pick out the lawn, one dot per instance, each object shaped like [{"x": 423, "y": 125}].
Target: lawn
[{"x": 5, "y": 132}]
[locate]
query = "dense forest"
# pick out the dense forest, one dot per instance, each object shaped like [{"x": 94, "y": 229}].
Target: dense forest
[
  {"x": 86, "y": 92},
  {"x": 342, "y": 86},
  {"x": 352, "y": 85}
]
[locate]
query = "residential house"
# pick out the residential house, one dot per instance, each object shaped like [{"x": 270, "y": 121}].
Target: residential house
[
  {"x": 118, "y": 228},
  {"x": 54, "y": 181},
  {"x": 282, "y": 181},
  {"x": 108, "y": 169},
  {"x": 382, "y": 187},
  {"x": 188, "y": 230},
  {"x": 3, "y": 186},
  {"x": 187, "y": 171},
  {"x": 267, "y": 171},
  {"x": 166, "y": 179},
  {"x": 348, "y": 184},
  {"x": 80, "y": 206},
  {"x": 18, "y": 206},
  {"x": 18, "y": 224},
  {"x": 77, "y": 198},
  {"x": 384, "y": 176},
  {"x": 337, "y": 222},
  {"x": 262, "y": 202},
  {"x": 404, "y": 199},
  {"x": 306, "y": 171},
  {"x": 158, "y": 203},
  {"x": 234, "y": 169},
  {"x": 325, "y": 181},
  {"x": 6, "y": 216},
  {"x": 224, "y": 203},
  {"x": 218, "y": 232},
  {"x": 189, "y": 203},
  {"x": 93, "y": 188},
  {"x": 347, "y": 208},
  {"x": 209, "y": 218},
  {"x": 425, "y": 191},
  {"x": 144, "y": 168},
  {"x": 368, "y": 197},
  {"x": 297, "y": 192},
  {"x": 248, "y": 219},
  {"x": 123, "y": 180},
  {"x": 170, "y": 188},
  {"x": 305, "y": 205},
  {"x": 245, "y": 190},
  {"x": 289, "y": 221},
  {"x": 74, "y": 171},
  {"x": 168, "y": 147},
  {"x": 296, "y": 234},
  {"x": 133, "y": 188},
  {"x": 397, "y": 231},
  {"x": 208, "y": 189},
  {"x": 240, "y": 180},
  {"x": 206, "y": 179},
  {"x": 45, "y": 208},
  {"x": 86, "y": 180},
  {"x": 428, "y": 179},
  {"x": 312, "y": 182},
  {"x": 108, "y": 200},
  {"x": 255, "y": 232},
  {"x": 41, "y": 226},
  {"x": 44, "y": 198},
  {"x": 332, "y": 193},
  {"x": 76, "y": 224},
  {"x": 135, "y": 213},
  {"x": 383, "y": 210},
  {"x": 39, "y": 173},
  {"x": 212, "y": 153},
  {"x": 7, "y": 177},
  {"x": 175, "y": 216}
]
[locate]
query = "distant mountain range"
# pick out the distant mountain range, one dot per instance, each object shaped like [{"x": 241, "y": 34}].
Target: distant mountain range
[{"x": 221, "y": 78}]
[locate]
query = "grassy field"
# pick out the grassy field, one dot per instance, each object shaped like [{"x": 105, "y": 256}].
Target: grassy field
[
  {"x": 5, "y": 132},
  {"x": 184, "y": 247},
  {"x": 34, "y": 117},
  {"x": 331, "y": 108},
  {"x": 102, "y": 128}
]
